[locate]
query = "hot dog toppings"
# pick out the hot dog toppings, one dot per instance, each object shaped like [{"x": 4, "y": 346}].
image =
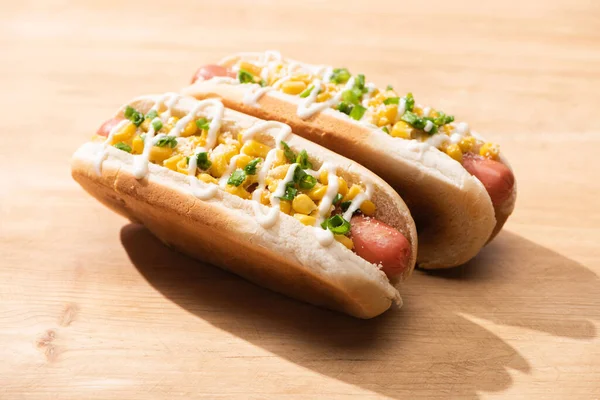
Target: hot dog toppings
[
  {"x": 201, "y": 146},
  {"x": 323, "y": 87}
]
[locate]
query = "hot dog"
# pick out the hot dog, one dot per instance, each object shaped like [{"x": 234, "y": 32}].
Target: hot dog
[
  {"x": 250, "y": 196},
  {"x": 460, "y": 189}
]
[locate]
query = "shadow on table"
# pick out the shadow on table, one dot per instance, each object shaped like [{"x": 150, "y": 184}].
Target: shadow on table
[{"x": 425, "y": 348}]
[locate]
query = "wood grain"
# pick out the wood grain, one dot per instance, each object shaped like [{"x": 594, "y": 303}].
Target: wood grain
[{"x": 94, "y": 308}]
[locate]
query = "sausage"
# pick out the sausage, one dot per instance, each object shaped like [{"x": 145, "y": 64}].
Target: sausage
[
  {"x": 496, "y": 177},
  {"x": 107, "y": 126},
  {"x": 379, "y": 243},
  {"x": 210, "y": 71}
]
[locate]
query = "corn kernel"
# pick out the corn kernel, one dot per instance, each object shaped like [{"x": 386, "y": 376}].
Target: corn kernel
[
  {"x": 323, "y": 96},
  {"x": 447, "y": 129},
  {"x": 206, "y": 178},
  {"x": 342, "y": 186},
  {"x": 145, "y": 125},
  {"x": 253, "y": 69},
  {"x": 124, "y": 134},
  {"x": 382, "y": 121},
  {"x": 285, "y": 206},
  {"x": 323, "y": 177},
  {"x": 169, "y": 125},
  {"x": 172, "y": 162},
  {"x": 182, "y": 166},
  {"x": 159, "y": 154},
  {"x": 255, "y": 149},
  {"x": 376, "y": 100},
  {"x": 243, "y": 160},
  {"x": 198, "y": 141},
  {"x": 238, "y": 191},
  {"x": 272, "y": 184},
  {"x": 466, "y": 144},
  {"x": 489, "y": 150},
  {"x": 280, "y": 158},
  {"x": 303, "y": 204},
  {"x": 190, "y": 129},
  {"x": 137, "y": 145},
  {"x": 293, "y": 87},
  {"x": 345, "y": 240},
  {"x": 367, "y": 207},
  {"x": 265, "y": 197},
  {"x": 401, "y": 130},
  {"x": 279, "y": 172},
  {"x": 317, "y": 192},
  {"x": 418, "y": 110},
  {"x": 391, "y": 111},
  {"x": 305, "y": 219},
  {"x": 454, "y": 151},
  {"x": 352, "y": 193}
]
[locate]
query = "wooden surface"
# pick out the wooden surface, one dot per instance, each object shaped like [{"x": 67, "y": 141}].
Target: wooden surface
[{"x": 92, "y": 307}]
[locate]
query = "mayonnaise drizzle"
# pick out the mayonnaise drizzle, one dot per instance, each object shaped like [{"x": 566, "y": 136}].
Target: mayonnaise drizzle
[
  {"x": 358, "y": 200},
  {"x": 325, "y": 206},
  {"x": 103, "y": 153}
]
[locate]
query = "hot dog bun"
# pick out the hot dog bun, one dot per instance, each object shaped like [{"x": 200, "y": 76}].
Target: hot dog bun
[
  {"x": 224, "y": 231},
  {"x": 451, "y": 208}
]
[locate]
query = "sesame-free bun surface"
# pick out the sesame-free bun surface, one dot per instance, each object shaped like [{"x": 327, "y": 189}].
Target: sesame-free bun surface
[
  {"x": 223, "y": 230},
  {"x": 454, "y": 214}
]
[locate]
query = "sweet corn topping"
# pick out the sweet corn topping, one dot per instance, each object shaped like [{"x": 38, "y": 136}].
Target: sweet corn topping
[
  {"x": 326, "y": 87},
  {"x": 232, "y": 159}
]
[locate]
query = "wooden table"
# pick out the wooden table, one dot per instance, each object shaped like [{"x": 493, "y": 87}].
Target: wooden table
[{"x": 92, "y": 307}]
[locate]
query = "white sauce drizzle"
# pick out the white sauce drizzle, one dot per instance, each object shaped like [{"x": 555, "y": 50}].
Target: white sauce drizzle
[
  {"x": 358, "y": 200},
  {"x": 104, "y": 152},
  {"x": 325, "y": 237},
  {"x": 428, "y": 126},
  {"x": 426, "y": 111}
]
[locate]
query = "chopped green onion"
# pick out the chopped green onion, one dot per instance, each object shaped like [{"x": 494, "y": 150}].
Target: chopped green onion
[
  {"x": 302, "y": 160},
  {"x": 307, "y": 182},
  {"x": 166, "y": 141},
  {"x": 340, "y": 75},
  {"x": 152, "y": 114},
  {"x": 289, "y": 154},
  {"x": 336, "y": 224},
  {"x": 357, "y": 112},
  {"x": 307, "y": 91},
  {"x": 389, "y": 87},
  {"x": 345, "y": 205},
  {"x": 245, "y": 76},
  {"x": 134, "y": 116},
  {"x": 290, "y": 193},
  {"x": 250, "y": 168},
  {"x": 123, "y": 146},
  {"x": 262, "y": 83},
  {"x": 351, "y": 97},
  {"x": 391, "y": 100},
  {"x": 386, "y": 130},
  {"x": 237, "y": 178},
  {"x": 345, "y": 107},
  {"x": 202, "y": 161},
  {"x": 410, "y": 102},
  {"x": 157, "y": 124},
  {"x": 203, "y": 123},
  {"x": 443, "y": 119},
  {"x": 129, "y": 112},
  {"x": 338, "y": 197},
  {"x": 360, "y": 82}
]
